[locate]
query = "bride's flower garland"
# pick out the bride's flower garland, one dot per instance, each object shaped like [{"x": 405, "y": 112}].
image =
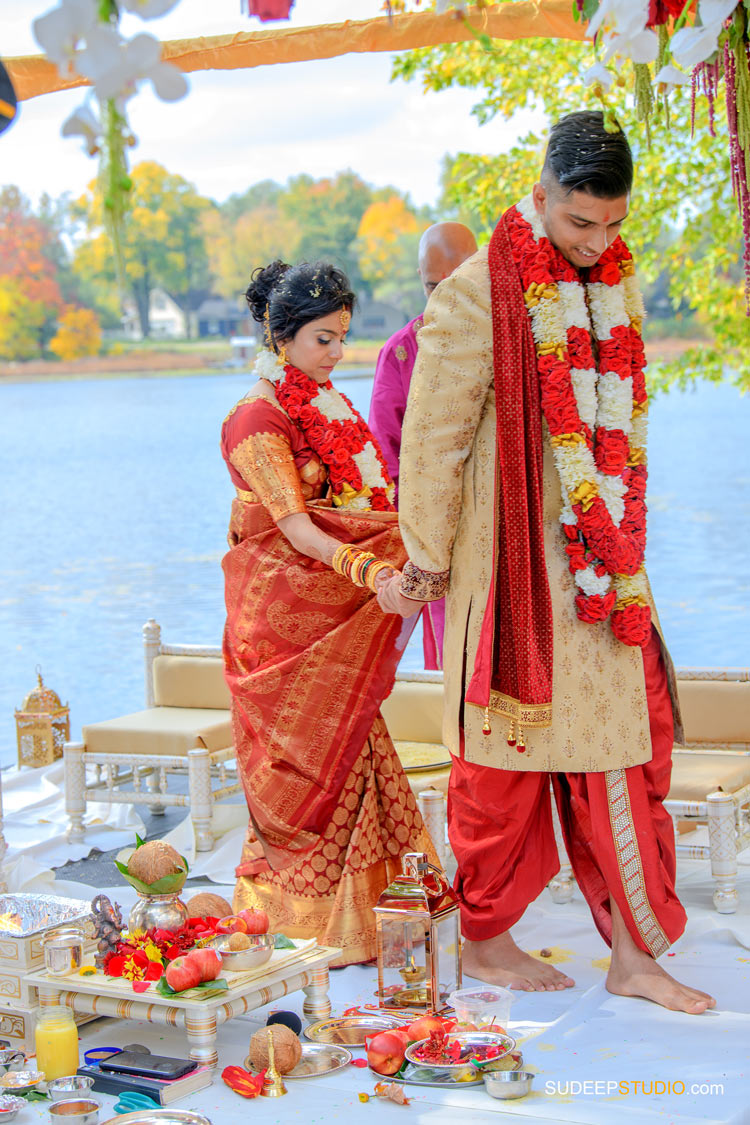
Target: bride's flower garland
[
  {"x": 336, "y": 432},
  {"x": 596, "y": 414}
]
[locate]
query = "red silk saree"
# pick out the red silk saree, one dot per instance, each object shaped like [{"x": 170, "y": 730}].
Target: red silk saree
[{"x": 308, "y": 658}]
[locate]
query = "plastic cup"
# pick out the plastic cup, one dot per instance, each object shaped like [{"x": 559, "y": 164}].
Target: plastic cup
[{"x": 486, "y": 1007}]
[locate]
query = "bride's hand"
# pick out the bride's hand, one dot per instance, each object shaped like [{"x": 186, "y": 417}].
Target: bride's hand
[{"x": 390, "y": 598}]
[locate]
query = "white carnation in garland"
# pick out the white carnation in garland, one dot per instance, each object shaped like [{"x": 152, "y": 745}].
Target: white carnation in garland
[
  {"x": 639, "y": 431},
  {"x": 612, "y": 491},
  {"x": 615, "y": 402},
  {"x": 369, "y": 466},
  {"x": 567, "y": 515},
  {"x": 591, "y": 583},
  {"x": 575, "y": 464},
  {"x": 573, "y": 297},
  {"x": 529, "y": 212},
  {"x": 358, "y": 503},
  {"x": 267, "y": 367},
  {"x": 632, "y": 585},
  {"x": 607, "y": 304},
  {"x": 547, "y": 323},
  {"x": 330, "y": 403},
  {"x": 634, "y": 305},
  {"x": 584, "y": 389}
]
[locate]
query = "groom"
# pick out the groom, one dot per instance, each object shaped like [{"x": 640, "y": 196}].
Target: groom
[{"x": 523, "y": 479}]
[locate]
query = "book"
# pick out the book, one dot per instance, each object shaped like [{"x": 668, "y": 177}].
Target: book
[{"x": 163, "y": 1092}]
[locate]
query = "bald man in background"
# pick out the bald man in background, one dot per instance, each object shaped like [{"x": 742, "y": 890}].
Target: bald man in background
[{"x": 442, "y": 248}]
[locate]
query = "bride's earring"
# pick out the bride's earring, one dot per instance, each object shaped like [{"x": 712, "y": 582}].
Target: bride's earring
[{"x": 281, "y": 358}]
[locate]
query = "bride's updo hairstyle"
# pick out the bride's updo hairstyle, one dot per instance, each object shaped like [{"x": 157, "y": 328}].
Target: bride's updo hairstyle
[{"x": 283, "y": 298}]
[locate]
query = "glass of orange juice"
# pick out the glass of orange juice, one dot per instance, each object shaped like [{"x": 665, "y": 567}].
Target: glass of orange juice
[{"x": 56, "y": 1042}]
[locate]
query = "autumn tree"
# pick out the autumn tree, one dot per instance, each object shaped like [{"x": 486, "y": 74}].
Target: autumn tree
[
  {"x": 326, "y": 214},
  {"x": 163, "y": 241},
  {"x": 28, "y": 266},
  {"x": 387, "y": 246},
  {"x": 237, "y": 246},
  {"x": 78, "y": 334},
  {"x": 682, "y": 180}
]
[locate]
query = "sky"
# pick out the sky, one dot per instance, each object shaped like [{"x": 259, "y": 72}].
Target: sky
[{"x": 236, "y": 128}]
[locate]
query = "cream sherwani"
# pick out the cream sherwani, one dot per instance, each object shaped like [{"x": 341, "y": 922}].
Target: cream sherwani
[{"x": 447, "y": 497}]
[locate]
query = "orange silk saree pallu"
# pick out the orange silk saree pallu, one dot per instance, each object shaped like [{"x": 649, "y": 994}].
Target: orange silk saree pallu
[{"x": 308, "y": 658}]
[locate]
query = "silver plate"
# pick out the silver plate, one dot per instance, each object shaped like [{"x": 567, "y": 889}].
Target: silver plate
[
  {"x": 159, "y": 1117},
  {"x": 446, "y": 1082},
  {"x": 317, "y": 1059},
  {"x": 350, "y": 1031},
  {"x": 38, "y": 913},
  {"x": 467, "y": 1039}
]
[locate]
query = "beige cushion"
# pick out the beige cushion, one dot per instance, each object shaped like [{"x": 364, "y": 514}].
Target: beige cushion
[
  {"x": 695, "y": 775},
  {"x": 413, "y": 712},
  {"x": 190, "y": 681},
  {"x": 161, "y": 730},
  {"x": 715, "y": 711}
]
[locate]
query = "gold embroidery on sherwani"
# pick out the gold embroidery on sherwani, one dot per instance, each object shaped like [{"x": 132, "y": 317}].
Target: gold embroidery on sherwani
[
  {"x": 453, "y": 377},
  {"x": 266, "y": 463},
  {"x": 422, "y": 584},
  {"x": 629, "y": 863}
]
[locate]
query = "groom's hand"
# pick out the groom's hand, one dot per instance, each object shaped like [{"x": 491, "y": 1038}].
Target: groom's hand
[{"x": 391, "y": 600}]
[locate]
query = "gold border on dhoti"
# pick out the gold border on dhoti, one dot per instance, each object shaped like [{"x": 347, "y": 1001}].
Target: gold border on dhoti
[
  {"x": 629, "y": 863},
  {"x": 525, "y": 714}
]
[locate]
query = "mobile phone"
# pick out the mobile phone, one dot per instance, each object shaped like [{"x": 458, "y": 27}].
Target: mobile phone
[{"x": 147, "y": 1066}]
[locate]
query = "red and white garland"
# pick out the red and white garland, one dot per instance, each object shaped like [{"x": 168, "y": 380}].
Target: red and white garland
[
  {"x": 596, "y": 414},
  {"x": 336, "y": 432}
]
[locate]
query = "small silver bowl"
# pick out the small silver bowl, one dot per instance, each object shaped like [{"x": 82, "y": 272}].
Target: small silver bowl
[
  {"x": 20, "y": 1081},
  {"x": 71, "y": 1086},
  {"x": 9, "y": 1106},
  {"x": 75, "y": 1111},
  {"x": 239, "y": 960},
  {"x": 508, "y": 1083},
  {"x": 9, "y": 1059}
]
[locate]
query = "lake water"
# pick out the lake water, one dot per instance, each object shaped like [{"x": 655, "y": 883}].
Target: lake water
[{"x": 115, "y": 500}]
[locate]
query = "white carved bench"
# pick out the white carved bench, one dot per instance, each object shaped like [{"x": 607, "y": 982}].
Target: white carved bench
[
  {"x": 711, "y": 775},
  {"x": 184, "y": 730}
]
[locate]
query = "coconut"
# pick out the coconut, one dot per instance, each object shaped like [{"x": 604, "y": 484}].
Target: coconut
[
  {"x": 239, "y": 941},
  {"x": 208, "y": 905},
  {"x": 287, "y": 1048},
  {"x": 153, "y": 861}
]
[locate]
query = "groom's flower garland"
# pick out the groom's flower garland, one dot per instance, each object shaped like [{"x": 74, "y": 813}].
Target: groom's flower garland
[
  {"x": 336, "y": 432},
  {"x": 597, "y": 416}
]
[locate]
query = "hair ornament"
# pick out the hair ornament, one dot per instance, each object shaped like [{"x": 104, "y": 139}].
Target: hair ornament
[{"x": 345, "y": 317}]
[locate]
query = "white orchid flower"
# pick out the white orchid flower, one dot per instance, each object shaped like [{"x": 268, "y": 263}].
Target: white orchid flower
[
  {"x": 598, "y": 74},
  {"x": 643, "y": 47},
  {"x": 140, "y": 60},
  {"x": 715, "y": 11},
  {"x": 693, "y": 45},
  {"x": 61, "y": 31},
  {"x": 670, "y": 77},
  {"x": 148, "y": 9},
  {"x": 626, "y": 17},
  {"x": 84, "y": 123},
  {"x": 102, "y": 52}
]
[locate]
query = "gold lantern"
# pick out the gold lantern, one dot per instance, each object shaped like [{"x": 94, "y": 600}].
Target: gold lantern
[
  {"x": 42, "y": 726},
  {"x": 419, "y": 942}
]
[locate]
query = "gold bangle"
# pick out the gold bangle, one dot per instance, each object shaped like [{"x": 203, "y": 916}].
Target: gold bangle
[
  {"x": 341, "y": 556},
  {"x": 376, "y": 569}
]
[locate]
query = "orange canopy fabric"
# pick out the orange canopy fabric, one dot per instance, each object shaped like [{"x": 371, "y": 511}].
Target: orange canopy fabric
[{"x": 33, "y": 75}]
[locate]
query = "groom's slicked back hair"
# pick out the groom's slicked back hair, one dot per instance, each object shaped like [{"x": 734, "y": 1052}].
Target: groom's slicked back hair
[{"x": 584, "y": 156}]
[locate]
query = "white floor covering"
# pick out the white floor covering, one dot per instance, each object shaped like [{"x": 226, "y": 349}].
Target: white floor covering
[{"x": 580, "y": 1036}]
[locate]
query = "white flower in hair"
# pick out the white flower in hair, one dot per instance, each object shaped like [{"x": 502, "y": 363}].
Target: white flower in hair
[{"x": 266, "y": 367}]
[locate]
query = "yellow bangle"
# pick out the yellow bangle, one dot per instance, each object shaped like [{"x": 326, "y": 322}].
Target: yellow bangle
[{"x": 341, "y": 556}]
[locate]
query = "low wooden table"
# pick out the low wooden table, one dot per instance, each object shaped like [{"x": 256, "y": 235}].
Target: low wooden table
[{"x": 305, "y": 967}]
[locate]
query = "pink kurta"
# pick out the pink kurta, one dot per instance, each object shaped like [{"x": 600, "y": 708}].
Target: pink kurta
[{"x": 390, "y": 391}]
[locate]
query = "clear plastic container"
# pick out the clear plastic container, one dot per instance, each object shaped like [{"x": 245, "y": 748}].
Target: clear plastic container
[{"x": 485, "y": 1007}]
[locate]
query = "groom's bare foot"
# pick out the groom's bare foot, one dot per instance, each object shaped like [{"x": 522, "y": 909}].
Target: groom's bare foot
[
  {"x": 639, "y": 975},
  {"x": 498, "y": 960}
]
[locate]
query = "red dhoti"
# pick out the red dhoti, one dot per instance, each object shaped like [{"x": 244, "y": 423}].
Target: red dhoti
[{"x": 617, "y": 834}]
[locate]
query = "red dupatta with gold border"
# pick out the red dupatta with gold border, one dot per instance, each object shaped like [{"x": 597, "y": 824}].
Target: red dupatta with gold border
[
  {"x": 308, "y": 658},
  {"x": 512, "y": 672}
]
